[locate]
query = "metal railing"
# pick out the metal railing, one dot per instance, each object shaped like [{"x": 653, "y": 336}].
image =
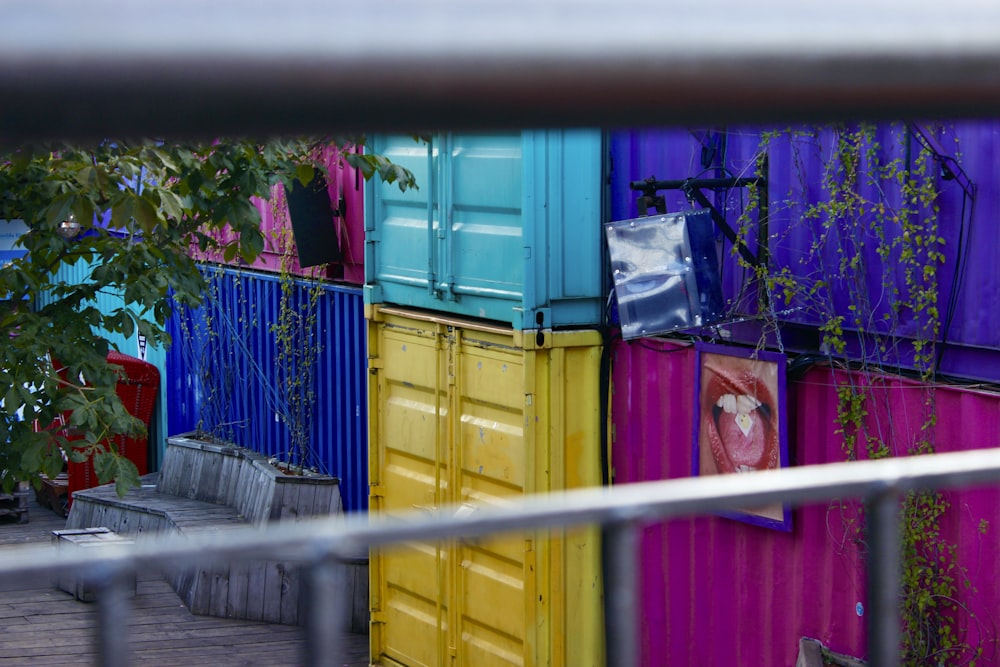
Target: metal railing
[
  {"x": 114, "y": 67},
  {"x": 622, "y": 510},
  {"x": 218, "y": 68}
]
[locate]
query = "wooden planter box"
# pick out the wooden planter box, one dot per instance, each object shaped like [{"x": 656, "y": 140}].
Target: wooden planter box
[{"x": 225, "y": 474}]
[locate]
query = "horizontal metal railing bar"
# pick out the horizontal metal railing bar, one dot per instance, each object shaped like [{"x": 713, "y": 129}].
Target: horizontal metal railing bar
[
  {"x": 315, "y": 540},
  {"x": 120, "y": 68}
]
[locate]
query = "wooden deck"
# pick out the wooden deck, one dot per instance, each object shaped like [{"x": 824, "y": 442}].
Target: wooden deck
[{"x": 41, "y": 625}]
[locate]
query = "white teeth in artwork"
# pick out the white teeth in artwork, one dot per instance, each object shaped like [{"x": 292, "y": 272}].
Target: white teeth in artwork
[
  {"x": 743, "y": 468},
  {"x": 732, "y": 403}
]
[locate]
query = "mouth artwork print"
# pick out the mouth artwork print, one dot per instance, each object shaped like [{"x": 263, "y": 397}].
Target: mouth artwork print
[{"x": 739, "y": 420}]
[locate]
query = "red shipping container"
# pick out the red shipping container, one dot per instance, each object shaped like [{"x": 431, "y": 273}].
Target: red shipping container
[{"x": 137, "y": 391}]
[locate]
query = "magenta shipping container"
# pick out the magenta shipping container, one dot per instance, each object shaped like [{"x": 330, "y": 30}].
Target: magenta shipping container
[
  {"x": 341, "y": 238},
  {"x": 717, "y": 591}
]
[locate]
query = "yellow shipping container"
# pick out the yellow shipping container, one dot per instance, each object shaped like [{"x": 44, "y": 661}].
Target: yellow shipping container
[{"x": 462, "y": 412}]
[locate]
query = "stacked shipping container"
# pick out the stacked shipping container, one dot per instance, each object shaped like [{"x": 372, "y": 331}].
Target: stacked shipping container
[
  {"x": 718, "y": 591},
  {"x": 485, "y": 292},
  {"x": 474, "y": 395}
]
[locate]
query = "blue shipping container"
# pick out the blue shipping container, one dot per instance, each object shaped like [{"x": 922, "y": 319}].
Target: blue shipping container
[
  {"x": 230, "y": 374},
  {"x": 504, "y": 227}
]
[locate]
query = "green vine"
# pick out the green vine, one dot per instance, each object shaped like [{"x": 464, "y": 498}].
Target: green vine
[
  {"x": 889, "y": 206},
  {"x": 297, "y": 350}
]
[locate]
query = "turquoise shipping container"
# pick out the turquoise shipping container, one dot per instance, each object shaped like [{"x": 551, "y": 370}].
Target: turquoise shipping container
[{"x": 503, "y": 227}]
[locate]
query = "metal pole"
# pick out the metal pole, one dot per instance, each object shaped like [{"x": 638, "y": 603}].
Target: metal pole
[
  {"x": 621, "y": 549},
  {"x": 884, "y": 576},
  {"x": 112, "y": 617},
  {"x": 325, "y": 620}
]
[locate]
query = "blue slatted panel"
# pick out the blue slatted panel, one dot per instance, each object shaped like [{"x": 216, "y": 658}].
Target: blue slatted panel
[{"x": 224, "y": 377}]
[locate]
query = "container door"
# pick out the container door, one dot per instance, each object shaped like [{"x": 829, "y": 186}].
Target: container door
[
  {"x": 485, "y": 261},
  {"x": 402, "y": 229},
  {"x": 409, "y": 471},
  {"x": 494, "y": 611},
  {"x": 472, "y": 416}
]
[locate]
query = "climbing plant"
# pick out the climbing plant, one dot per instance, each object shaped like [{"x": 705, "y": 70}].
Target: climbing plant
[
  {"x": 298, "y": 347},
  {"x": 869, "y": 283}
]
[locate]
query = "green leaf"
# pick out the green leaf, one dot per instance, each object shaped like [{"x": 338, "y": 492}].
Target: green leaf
[
  {"x": 105, "y": 466},
  {"x": 304, "y": 173},
  {"x": 52, "y": 463},
  {"x": 58, "y": 210},
  {"x": 251, "y": 245},
  {"x": 127, "y": 477},
  {"x": 146, "y": 215},
  {"x": 172, "y": 205},
  {"x": 31, "y": 457},
  {"x": 113, "y": 466}
]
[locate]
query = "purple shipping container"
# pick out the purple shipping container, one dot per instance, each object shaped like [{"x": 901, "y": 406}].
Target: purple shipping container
[
  {"x": 345, "y": 187},
  {"x": 963, "y": 168},
  {"x": 718, "y": 591}
]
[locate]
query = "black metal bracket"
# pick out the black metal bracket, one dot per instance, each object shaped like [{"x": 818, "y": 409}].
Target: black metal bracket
[{"x": 693, "y": 190}]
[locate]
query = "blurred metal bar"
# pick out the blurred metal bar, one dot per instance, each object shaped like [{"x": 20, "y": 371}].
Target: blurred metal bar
[
  {"x": 621, "y": 587},
  {"x": 112, "y": 616},
  {"x": 624, "y": 508},
  {"x": 648, "y": 501},
  {"x": 188, "y": 68},
  {"x": 884, "y": 577},
  {"x": 325, "y": 620}
]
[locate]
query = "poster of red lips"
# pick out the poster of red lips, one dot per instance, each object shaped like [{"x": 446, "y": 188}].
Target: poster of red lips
[{"x": 740, "y": 421}]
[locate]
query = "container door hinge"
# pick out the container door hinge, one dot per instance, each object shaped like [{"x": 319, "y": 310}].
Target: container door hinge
[
  {"x": 378, "y": 616},
  {"x": 376, "y": 491}
]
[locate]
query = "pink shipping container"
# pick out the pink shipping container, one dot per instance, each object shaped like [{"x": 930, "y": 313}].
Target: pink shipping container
[
  {"x": 345, "y": 186},
  {"x": 716, "y": 591}
]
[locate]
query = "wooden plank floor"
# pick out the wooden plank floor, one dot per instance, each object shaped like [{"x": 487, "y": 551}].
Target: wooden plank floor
[{"x": 41, "y": 625}]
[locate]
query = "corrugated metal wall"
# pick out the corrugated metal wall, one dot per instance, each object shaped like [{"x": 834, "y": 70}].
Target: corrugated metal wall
[
  {"x": 466, "y": 413},
  {"x": 224, "y": 378},
  {"x": 718, "y": 591},
  {"x": 797, "y": 159},
  {"x": 504, "y": 227}
]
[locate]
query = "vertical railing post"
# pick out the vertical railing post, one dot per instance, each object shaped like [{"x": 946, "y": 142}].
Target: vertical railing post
[
  {"x": 325, "y": 606},
  {"x": 621, "y": 588},
  {"x": 112, "y": 617},
  {"x": 884, "y": 578}
]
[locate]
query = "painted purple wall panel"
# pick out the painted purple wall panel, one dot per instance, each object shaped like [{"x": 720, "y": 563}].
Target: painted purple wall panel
[
  {"x": 717, "y": 591},
  {"x": 796, "y": 179}
]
